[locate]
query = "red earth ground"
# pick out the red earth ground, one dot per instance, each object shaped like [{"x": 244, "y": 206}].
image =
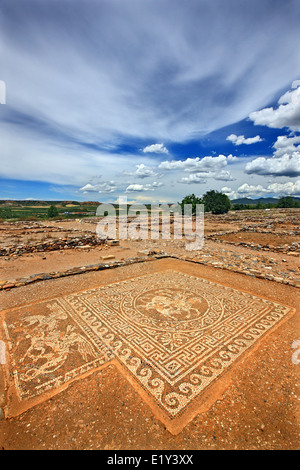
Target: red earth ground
[{"x": 258, "y": 408}]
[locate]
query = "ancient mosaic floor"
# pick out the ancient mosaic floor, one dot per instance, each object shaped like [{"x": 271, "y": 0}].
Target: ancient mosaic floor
[{"x": 173, "y": 335}]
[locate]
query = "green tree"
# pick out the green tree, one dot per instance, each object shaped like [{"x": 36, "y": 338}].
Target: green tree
[
  {"x": 216, "y": 202},
  {"x": 259, "y": 205},
  {"x": 52, "y": 212},
  {"x": 286, "y": 201},
  {"x": 238, "y": 206},
  {"x": 190, "y": 199}
]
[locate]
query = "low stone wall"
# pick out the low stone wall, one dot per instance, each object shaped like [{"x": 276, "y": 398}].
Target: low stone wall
[
  {"x": 151, "y": 256},
  {"x": 5, "y": 285},
  {"x": 286, "y": 248},
  {"x": 51, "y": 245}
]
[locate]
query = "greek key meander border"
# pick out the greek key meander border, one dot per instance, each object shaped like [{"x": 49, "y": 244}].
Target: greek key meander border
[{"x": 188, "y": 389}]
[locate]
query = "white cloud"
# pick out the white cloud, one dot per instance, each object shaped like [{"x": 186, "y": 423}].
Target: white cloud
[
  {"x": 142, "y": 171},
  {"x": 71, "y": 109},
  {"x": 286, "y": 115},
  {"x": 136, "y": 187},
  {"x": 197, "y": 164},
  {"x": 286, "y": 145},
  {"x": 101, "y": 188},
  {"x": 155, "y": 148},
  {"x": 285, "y": 165},
  {"x": 223, "y": 175},
  {"x": 285, "y": 189},
  {"x": 277, "y": 189},
  {"x": 232, "y": 158},
  {"x": 245, "y": 190},
  {"x": 155, "y": 184},
  {"x": 201, "y": 177},
  {"x": 239, "y": 140},
  {"x": 35, "y": 157},
  {"x": 140, "y": 187},
  {"x": 227, "y": 191},
  {"x": 89, "y": 187},
  {"x": 110, "y": 82},
  {"x": 284, "y": 162},
  {"x": 195, "y": 178},
  {"x": 251, "y": 190}
]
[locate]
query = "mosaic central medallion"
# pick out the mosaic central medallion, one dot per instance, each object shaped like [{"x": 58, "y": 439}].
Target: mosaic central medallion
[
  {"x": 171, "y": 308},
  {"x": 168, "y": 306}
]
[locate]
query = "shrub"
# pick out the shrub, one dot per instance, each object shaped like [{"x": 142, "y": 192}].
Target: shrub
[
  {"x": 52, "y": 212},
  {"x": 216, "y": 202},
  {"x": 286, "y": 201},
  {"x": 190, "y": 199},
  {"x": 5, "y": 213}
]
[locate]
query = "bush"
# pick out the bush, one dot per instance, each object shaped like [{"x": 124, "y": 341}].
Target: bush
[
  {"x": 190, "y": 199},
  {"x": 286, "y": 201},
  {"x": 216, "y": 202},
  {"x": 239, "y": 207},
  {"x": 5, "y": 213},
  {"x": 52, "y": 212}
]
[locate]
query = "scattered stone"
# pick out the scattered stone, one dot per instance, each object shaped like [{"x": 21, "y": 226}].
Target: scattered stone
[
  {"x": 8, "y": 286},
  {"x": 221, "y": 258},
  {"x": 85, "y": 241},
  {"x": 112, "y": 242},
  {"x": 2, "y": 398}
]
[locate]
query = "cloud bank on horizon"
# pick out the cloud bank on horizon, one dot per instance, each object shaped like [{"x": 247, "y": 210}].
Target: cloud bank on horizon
[{"x": 102, "y": 95}]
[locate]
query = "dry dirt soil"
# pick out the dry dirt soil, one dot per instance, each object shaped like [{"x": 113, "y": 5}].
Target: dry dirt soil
[{"x": 103, "y": 410}]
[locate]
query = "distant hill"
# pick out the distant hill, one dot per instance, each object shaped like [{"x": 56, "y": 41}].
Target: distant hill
[
  {"x": 263, "y": 200},
  {"x": 37, "y": 202}
]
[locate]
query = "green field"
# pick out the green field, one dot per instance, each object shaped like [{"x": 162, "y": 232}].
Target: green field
[{"x": 39, "y": 209}]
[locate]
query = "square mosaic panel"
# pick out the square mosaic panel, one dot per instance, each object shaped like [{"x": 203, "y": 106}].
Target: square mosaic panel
[
  {"x": 174, "y": 334},
  {"x": 47, "y": 349}
]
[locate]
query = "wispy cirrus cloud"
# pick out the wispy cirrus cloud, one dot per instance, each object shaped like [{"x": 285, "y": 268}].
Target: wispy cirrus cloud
[
  {"x": 87, "y": 81},
  {"x": 144, "y": 81}
]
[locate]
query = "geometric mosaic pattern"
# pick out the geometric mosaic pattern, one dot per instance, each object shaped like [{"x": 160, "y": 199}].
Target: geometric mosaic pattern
[{"x": 174, "y": 334}]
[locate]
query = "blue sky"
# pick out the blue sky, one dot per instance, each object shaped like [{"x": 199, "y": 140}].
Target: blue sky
[{"x": 149, "y": 100}]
